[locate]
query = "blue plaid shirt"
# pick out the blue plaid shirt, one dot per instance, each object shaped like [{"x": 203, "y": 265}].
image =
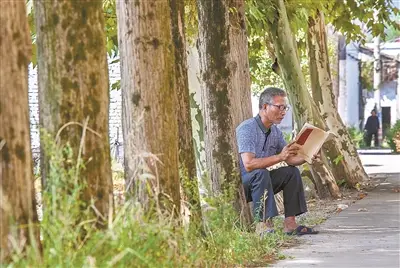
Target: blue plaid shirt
[{"x": 253, "y": 137}]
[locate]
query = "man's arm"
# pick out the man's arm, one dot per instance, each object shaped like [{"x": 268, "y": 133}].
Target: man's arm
[
  {"x": 295, "y": 160},
  {"x": 250, "y": 162}
]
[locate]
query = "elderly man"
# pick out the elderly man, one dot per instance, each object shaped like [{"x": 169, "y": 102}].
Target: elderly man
[
  {"x": 372, "y": 127},
  {"x": 261, "y": 145}
]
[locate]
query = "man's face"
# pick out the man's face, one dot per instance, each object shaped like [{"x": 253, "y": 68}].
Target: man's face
[
  {"x": 373, "y": 113},
  {"x": 276, "y": 110}
]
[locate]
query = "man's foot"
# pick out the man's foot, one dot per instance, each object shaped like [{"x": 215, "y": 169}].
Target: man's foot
[
  {"x": 289, "y": 224},
  {"x": 302, "y": 230},
  {"x": 291, "y": 227}
]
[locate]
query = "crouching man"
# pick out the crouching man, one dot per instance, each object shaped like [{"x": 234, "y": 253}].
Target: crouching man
[{"x": 261, "y": 145}]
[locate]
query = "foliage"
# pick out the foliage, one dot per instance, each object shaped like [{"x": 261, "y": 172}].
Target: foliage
[
  {"x": 288, "y": 136},
  {"x": 355, "y": 19},
  {"x": 357, "y": 137},
  {"x": 367, "y": 75},
  {"x": 133, "y": 238},
  {"x": 260, "y": 64},
  {"x": 32, "y": 27},
  {"x": 191, "y": 21},
  {"x": 111, "y": 30},
  {"x": 110, "y": 18},
  {"x": 393, "y": 137},
  {"x": 392, "y": 32}
]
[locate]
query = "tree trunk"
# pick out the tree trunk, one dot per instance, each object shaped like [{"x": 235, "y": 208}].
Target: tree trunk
[
  {"x": 324, "y": 180},
  {"x": 321, "y": 84},
  {"x": 187, "y": 160},
  {"x": 73, "y": 87},
  {"x": 304, "y": 108},
  {"x": 19, "y": 221},
  {"x": 377, "y": 83},
  {"x": 225, "y": 85},
  {"x": 149, "y": 102}
]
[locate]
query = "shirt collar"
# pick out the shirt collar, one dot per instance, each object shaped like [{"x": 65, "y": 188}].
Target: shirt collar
[{"x": 261, "y": 125}]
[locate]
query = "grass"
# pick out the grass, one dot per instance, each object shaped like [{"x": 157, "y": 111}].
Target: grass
[
  {"x": 133, "y": 237},
  {"x": 135, "y": 240}
]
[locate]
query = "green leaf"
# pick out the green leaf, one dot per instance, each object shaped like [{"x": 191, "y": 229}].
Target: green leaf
[{"x": 116, "y": 85}]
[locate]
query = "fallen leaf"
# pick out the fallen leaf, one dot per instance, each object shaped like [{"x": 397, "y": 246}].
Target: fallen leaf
[
  {"x": 361, "y": 195},
  {"x": 396, "y": 190},
  {"x": 362, "y": 209}
]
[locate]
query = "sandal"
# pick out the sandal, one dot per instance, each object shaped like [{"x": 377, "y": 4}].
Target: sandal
[{"x": 302, "y": 230}]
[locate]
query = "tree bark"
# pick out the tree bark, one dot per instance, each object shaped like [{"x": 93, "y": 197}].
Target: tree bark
[
  {"x": 19, "y": 221},
  {"x": 73, "y": 87},
  {"x": 304, "y": 108},
  {"x": 187, "y": 159},
  {"x": 377, "y": 83},
  {"x": 225, "y": 86},
  {"x": 149, "y": 100},
  {"x": 321, "y": 84}
]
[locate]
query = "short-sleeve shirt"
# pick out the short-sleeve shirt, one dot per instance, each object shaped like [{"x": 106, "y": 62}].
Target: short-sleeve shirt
[{"x": 253, "y": 137}]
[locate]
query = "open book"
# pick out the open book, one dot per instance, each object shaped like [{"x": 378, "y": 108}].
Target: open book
[{"x": 310, "y": 140}]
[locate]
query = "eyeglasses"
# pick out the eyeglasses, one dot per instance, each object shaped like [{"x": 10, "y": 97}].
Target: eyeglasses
[{"x": 280, "y": 107}]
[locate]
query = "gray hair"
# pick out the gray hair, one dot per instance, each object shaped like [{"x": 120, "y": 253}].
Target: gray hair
[{"x": 268, "y": 94}]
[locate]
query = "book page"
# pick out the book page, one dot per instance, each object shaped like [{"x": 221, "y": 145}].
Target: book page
[{"x": 310, "y": 140}]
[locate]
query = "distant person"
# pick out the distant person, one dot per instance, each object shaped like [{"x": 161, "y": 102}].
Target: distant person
[
  {"x": 371, "y": 128},
  {"x": 261, "y": 145}
]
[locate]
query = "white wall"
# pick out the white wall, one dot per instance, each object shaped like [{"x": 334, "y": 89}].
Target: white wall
[
  {"x": 115, "y": 106},
  {"x": 352, "y": 86},
  {"x": 388, "y": 98}
]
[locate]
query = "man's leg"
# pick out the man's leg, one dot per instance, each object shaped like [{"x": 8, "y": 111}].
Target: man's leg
[
  {"x": 259, "y": 183},
  {"x": 368, "y": 139},
  {"x": 289, "y": 180},
  {"x": 376, "y": 139}
]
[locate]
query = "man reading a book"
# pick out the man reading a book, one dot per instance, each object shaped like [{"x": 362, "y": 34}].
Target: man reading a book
[{"x": 261, "y": 145}]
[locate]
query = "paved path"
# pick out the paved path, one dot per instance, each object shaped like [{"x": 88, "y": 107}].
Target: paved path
[
  {"x": 381, "y": 163},
  {"x": 367, "y": 234}
]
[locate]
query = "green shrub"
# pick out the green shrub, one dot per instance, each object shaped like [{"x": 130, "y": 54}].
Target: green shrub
[
  {"x": 357, "y": 137},
  {"x": 393, "y": 137}
]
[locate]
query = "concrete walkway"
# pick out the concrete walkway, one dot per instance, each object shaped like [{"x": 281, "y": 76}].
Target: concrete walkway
[{"x": 367, "y": 234}]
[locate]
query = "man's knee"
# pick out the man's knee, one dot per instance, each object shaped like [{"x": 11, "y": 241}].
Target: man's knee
[
  {"x": 261, "y": 175},
  {"x": 293, "y": 175},
  {"x": 292, "y": 170}
]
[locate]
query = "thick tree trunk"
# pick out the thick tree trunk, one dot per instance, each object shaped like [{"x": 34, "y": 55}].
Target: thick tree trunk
[
  {"x": 73, "y": 87},
  {"x": 304, "y": 108},
  {"x": 321, "y": 84},
  {"x": 187, "y": 160},
  {"x": 225, "y": 85},
  {"x": 149, "y": 102},
  {"x": 324, "y": 180},
  {"x": 19, "y": 220}
]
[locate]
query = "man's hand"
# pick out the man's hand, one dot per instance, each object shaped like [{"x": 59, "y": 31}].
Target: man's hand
[
  {"x": 316, "y": 158},
  {"x": 288, "y": 151}
]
